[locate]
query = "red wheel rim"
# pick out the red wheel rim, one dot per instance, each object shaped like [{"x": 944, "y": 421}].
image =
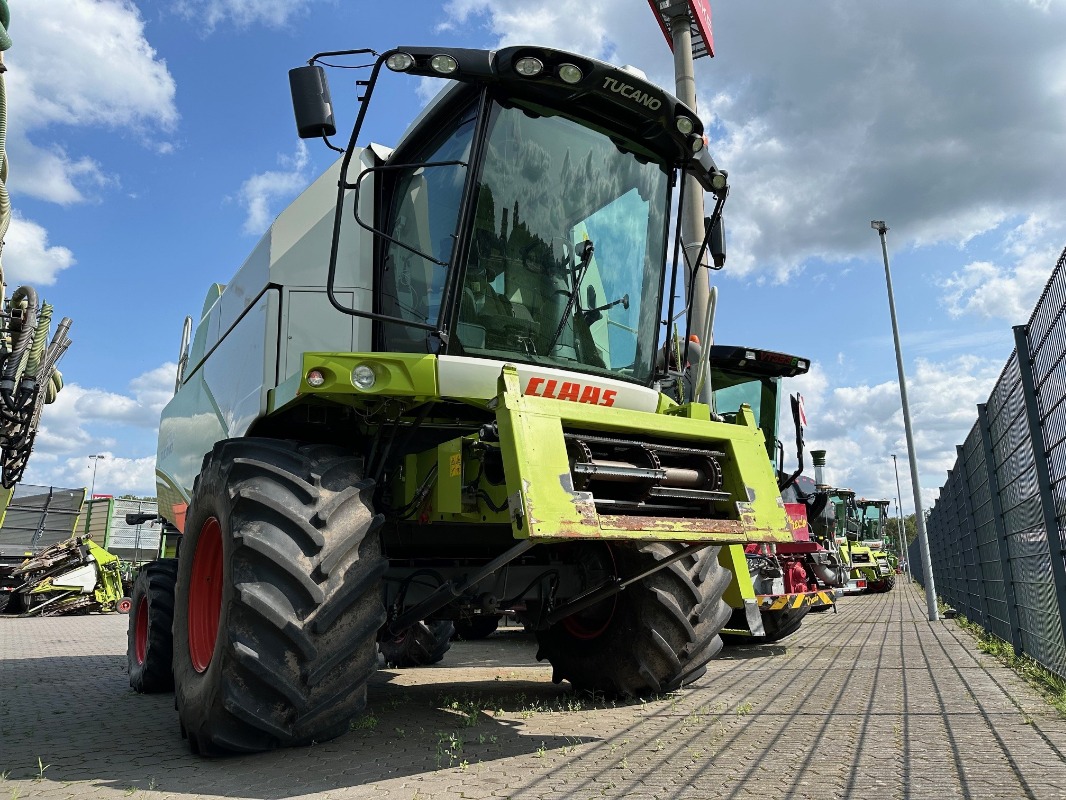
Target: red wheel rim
[
  {"x": 205, "y": 595},
  {"x": 140, "y": 633},
  {"x": 590, "y": 623}
]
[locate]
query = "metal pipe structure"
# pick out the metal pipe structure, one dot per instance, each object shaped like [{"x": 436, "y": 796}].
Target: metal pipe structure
[
  {"x": 901, "y": 526},
  {"x": 919, "y": 518},
  {"x": 692, "y": 206}
]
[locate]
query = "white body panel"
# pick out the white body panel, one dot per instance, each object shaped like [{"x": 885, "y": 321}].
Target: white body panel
[
  {"x": 458, "y": 376},
  {"x": 253, "y": 330}
]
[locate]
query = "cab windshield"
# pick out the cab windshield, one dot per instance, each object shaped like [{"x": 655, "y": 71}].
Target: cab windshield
[{"x": 566, "y": 253}]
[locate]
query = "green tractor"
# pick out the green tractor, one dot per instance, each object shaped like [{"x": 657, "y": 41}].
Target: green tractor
[
  {"x": 880, "y": 572},
  {"x": 430, "y": 396},
  {"x": 774, "y": 586}
]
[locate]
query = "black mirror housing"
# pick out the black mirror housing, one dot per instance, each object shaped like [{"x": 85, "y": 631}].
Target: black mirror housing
[{"x": 311, "y": 102}]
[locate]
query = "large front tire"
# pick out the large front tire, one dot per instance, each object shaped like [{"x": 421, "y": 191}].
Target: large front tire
[
  {"x": 279, "y": 597},
  {"x": 652, "y": 638},
  {"x": 150, "y": 649}
]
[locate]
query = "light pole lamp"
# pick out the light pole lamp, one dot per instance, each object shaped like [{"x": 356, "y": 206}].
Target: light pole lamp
[
  {"x": 96, "y": 460},
  {"x": 919, "y": 519}
]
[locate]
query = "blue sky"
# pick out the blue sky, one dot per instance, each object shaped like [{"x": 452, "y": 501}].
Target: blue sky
[{"x": 151, "y": 144}]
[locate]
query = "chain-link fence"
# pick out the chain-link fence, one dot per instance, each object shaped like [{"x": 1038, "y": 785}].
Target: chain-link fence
[{"x": 997, "y": 533}]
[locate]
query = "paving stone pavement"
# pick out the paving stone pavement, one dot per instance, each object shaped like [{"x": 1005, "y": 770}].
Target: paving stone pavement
[{"x": 871, "y": 702}]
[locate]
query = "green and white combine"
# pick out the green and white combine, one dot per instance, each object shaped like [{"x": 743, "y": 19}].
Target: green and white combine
[{"x": 430, "y": 395}]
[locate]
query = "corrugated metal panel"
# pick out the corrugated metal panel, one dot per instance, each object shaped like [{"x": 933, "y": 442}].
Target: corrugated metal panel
[{"x": 37, "y": 517}]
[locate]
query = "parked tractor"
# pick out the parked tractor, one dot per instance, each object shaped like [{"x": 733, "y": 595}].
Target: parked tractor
[
  {"x": 430, "y": 395},
  {"x": 773, "y": 585},
  {"x": 881, "y": 573}
]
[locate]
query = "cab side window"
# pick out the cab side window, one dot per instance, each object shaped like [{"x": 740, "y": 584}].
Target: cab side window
[{"x": 423, "y": 217}]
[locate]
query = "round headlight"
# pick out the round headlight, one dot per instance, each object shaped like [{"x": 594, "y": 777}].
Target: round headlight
[
  {"x": 444, "y": 64},
  {"x": 400, "y": 62},
  {"x": 718, "y": 180},
  {"x": 570, "y": 74},
  {"x": 684, "y": 124},
  {"x": 363, "y": 377},
  {"x": 697, "y": 143},
  {"x": 529, "y": 66},
  {"x": 315, "y": 378}
]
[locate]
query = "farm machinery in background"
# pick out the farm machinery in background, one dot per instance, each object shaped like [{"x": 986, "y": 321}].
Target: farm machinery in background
[
  {"x": 774, "y": 585},
  {"x": 880, "y": 571},
  {"x": 28, "y": 376},
  {"x": 430, "y": 395},
  {"x": 74, "y": 576},
  {"x": 856, "y": 525}
]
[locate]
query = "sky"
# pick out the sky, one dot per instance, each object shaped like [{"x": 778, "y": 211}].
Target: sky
[{"x": 152, "y": 143}]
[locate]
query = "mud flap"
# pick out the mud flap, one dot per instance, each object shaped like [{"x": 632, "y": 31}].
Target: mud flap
[{"x": 753, "y": 616}]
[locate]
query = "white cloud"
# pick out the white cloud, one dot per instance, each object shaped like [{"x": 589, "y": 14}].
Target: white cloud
[
  {"x": 272, "y": 13},
  {"x": 60, "y": 74},
  {"x": 122, "y": 427},
  {"x": 28, "y": 258},
  {"x": 1008, "y": 292},
  {"x": 259, "y": 192},
  {"x": 827, "y": 116},
  {"x": 861, "y": 426}
]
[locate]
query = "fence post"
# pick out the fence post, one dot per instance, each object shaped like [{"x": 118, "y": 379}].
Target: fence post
[
  {"x": 1043, "y": 474},
  {"x": 975, "y": 548},
  {"x": 1001, "y": 530}
]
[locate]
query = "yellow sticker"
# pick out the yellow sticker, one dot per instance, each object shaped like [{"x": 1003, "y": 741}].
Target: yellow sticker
[{"x": 455, "y": 465}]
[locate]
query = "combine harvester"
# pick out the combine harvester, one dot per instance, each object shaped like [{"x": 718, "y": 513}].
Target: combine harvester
[{"x": 430, "y": 395}]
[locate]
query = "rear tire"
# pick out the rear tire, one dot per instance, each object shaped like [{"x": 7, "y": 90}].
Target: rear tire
[
  {"x": 279, "y": 597},
  {"x": 150, "y": 649},
  {"x": 473, "y": 628},
  {"x": 886, "y": 584},
  {"x": 652, "y": 638},
  {"x": 420, "y": 645},
  {"x": 776, "y": 624}
]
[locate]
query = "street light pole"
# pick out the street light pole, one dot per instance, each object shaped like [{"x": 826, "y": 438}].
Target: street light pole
[
  {"x": 899, "y": 510},
  {"x": 919, "y": 519},
  {"x": 96, "y": 460}
]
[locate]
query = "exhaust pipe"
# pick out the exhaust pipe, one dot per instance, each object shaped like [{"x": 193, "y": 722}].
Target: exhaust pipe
[{"x": 819, "y": 469}]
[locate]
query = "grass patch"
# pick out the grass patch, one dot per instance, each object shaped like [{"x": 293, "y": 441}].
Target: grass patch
[{"x": 1050, "y": 685}]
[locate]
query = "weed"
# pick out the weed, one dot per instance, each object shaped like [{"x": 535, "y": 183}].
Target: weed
[
  {"x": 744, "y": 708},
  {"x": 541, "y": 750},
  {"x": 464, "y": 765},
  {"x": 400, "y": 733},
  {"x": 41, "y": 767},
  {"x": 130, "y": 791},
  {"x": 1050, "y": 685},
  {"x": 659, "y": 746},
  {"x": 449, "y": 747},
  {"x": 366, "y": 723}
]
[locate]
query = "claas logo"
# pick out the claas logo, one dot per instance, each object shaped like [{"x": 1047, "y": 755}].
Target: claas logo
[{"x": 569, "y": 390}]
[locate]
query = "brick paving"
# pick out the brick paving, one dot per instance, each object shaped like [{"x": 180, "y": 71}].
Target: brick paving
[{"x": 870, "y": 702}]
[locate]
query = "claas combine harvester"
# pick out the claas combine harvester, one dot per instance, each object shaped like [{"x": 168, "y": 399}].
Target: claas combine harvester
[{"x": 430, "y": 393}]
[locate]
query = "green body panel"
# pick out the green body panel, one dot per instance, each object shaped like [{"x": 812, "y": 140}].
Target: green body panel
[
  {"x": 542, "y": 502},
  {"x": 740, "y": 585}
]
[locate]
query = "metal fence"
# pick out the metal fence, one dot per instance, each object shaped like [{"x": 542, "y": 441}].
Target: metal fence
[{"x": 998, "y": 531}]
